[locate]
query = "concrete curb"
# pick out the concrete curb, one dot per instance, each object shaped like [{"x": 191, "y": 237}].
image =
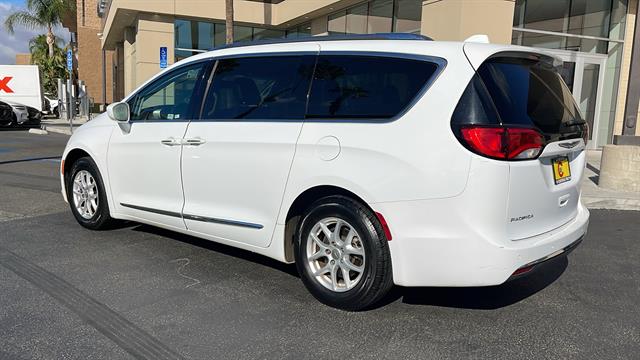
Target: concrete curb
[
  {"x": 57, "y": 129},
  {"x": 38, "y": 131},
  {"x": 611, "y": 203}
]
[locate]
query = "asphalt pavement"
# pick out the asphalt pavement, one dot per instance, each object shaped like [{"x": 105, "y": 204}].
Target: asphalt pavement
[{"x": 146, "y": 293}]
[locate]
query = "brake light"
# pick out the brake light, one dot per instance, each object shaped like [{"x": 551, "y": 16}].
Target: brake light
[{"x": 505, "y": 143}]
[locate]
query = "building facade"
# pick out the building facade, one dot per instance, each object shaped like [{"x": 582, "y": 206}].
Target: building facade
[
  {"x": 86, "y": 28},
  {"x": 594, "y": 38},
  {"x": 23, "y": 59}
]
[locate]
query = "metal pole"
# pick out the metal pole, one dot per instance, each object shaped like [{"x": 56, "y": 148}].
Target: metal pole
[
  {"x": 71, "y": 102},
  {"x": 104, "y": 78},
  {"x": 633, "y": 92}
]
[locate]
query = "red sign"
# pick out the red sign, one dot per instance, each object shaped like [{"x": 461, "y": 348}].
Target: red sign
[{"x": 4, "y": 85}]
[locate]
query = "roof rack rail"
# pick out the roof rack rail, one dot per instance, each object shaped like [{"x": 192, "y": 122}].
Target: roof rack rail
[{"x": 377, "y": 36}]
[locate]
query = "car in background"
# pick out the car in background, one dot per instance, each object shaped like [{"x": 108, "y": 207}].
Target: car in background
[
  {"x": 34, "y": 116},
  {"x": 52, "y": 104},
  {"x": 6, "y": 114},
  {"x": 20, "y": 113}
]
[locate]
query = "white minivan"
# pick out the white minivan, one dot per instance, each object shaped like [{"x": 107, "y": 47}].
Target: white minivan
[{"x": 367, "y": 160}]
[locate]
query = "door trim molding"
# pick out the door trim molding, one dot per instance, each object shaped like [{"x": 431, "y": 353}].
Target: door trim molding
[
  {"x": 151, "y": 210},
  {"x": 195, "y": 217},
  {"x": 222, "y": 221}
]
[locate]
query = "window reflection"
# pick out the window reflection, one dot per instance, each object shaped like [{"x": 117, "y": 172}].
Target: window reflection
[
  {"x": 192, "y": 37},
  {"x": 378, "y": 16},
  {"x": 598, "y": 18}
]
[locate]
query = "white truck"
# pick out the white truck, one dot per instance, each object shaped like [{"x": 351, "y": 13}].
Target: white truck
[{"x": 21, "y": 84}]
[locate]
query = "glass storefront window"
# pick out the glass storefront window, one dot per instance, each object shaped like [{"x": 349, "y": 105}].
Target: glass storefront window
[
  {"x": 259, "y": 34},
  {"x": 408, "y": 16},
  {"x": 380, "y": 16},
  {"x": 338, "y": 23},
  {"x": 193, "y": 37},
  {"x": 242, "y": 33},
  {"x": 579, "y": 17},
  {"x": 299, "y": 31},
  {"x": 357, "y": 19},
  {"x": 220, "y": 36}
]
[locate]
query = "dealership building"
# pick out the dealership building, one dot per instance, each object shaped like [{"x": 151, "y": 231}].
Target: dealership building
[{"x": 594, "y": 38}]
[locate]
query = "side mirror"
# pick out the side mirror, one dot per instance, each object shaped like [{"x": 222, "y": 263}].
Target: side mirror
[{"x": 118, "y": 112}]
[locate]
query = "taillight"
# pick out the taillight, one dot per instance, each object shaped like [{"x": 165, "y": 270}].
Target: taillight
[{"x": 505, "y": 143}]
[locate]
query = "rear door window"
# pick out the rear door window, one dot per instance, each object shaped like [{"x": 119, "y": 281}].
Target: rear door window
[
  {"x": 366, "y": 87},
  {"x": 268, "y": 88}
]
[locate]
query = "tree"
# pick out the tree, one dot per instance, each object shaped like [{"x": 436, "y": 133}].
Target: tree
[
  {"x": 51, "y": 67},
  {"x": 41, "y": 14},
  {"x": 229, "y": 20}
]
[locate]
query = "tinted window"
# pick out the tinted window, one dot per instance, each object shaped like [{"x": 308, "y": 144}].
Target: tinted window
[
  {"x": 518, "y": 91},
  {"x": 259, "y": 88},
  {"x": 366, "y": 86},
  {"x": 169, "y": 97}
]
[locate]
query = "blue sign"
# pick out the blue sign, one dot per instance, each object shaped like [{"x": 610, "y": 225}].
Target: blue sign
[
  {"x": 70, "y": 60},
  {"x": 163, "y": 57}
]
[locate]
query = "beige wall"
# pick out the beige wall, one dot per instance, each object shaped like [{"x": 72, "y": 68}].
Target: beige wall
[
  {"x": 141, "y": 49},
  {"x": 123, "y": 13},
  {"x": 129, "y": 60},
  {"x": 456, "y": 20}
]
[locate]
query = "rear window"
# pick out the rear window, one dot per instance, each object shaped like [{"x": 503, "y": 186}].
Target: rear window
[
  {"x": 519, "y": 91},
  {"x": 366, "y": 87}
]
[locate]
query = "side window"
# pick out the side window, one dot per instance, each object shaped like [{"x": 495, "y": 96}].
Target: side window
[
  {"x": 169, "y": 97},
  {"x": 366, "y": 87},
  {"x": 272, "y": 87}
]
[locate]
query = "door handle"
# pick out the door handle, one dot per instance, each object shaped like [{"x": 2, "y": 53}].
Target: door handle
[
  {"x": 194, "y": 141},
  {"x": 171, "y": 142}
]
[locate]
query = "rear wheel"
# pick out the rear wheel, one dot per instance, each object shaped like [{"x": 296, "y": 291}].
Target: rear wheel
[
  {"x": 342, "y": 254},
  {"x": 86, "y": 195}
]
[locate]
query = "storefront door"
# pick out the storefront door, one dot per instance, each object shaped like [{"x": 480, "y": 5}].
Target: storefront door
[{"x": 584, "y": 74}]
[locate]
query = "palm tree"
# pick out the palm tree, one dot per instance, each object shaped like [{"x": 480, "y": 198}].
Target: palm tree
[
  {"x": 229, "y": 20},
  {"x": 51, "y": 67},
  {"x": 39, "y": 48},
  {"x": 41, "y": 14}
]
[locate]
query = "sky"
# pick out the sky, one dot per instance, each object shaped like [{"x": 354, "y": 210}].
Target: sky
[{"x": 10, "y": 45}]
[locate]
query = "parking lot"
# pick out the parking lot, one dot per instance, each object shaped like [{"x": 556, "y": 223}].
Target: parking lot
[{"x": 142, "y": 292}]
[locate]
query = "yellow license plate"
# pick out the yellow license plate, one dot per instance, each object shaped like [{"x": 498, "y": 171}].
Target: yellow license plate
[{"x": 561, "y": 170}]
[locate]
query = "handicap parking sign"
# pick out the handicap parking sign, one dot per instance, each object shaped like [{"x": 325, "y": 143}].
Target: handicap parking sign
[
  {"x": 70, "y": 60},
  {"x": 163, "y": 57}
]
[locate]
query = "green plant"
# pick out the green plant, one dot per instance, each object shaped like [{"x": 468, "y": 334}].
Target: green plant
[{"x": 51, "y": 67}]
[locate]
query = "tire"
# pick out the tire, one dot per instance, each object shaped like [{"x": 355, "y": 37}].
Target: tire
[
  {"x": 375, "y": 278},
  {"x": 56, "y": 113},
  {"x": 96, "y": 217}
]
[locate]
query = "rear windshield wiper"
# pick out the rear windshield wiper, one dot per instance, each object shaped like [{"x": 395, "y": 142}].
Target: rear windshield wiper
[{"x": 574, "y": 123}]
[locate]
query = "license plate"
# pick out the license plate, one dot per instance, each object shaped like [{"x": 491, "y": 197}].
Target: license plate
[{"x": 561, "y": 170}]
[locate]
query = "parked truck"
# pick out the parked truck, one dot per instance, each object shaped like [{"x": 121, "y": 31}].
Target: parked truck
[{"x": 21, "y": 84}]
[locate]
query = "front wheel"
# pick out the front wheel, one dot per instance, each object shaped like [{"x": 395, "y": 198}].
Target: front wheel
[
  {"x": 342, "y": 254},
  {"x": 86, "y": 195}
]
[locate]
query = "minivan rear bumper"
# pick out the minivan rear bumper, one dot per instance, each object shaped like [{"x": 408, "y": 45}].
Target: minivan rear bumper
[{"x": 435, "y": 253}]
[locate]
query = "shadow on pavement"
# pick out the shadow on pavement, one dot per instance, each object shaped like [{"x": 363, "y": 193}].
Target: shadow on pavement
[
  {"x": 221, "y": 248},
  {"x": 479, "y": 298},
  {"x": 23, "y": 127},
  {"x": 489, "y": 297}
]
